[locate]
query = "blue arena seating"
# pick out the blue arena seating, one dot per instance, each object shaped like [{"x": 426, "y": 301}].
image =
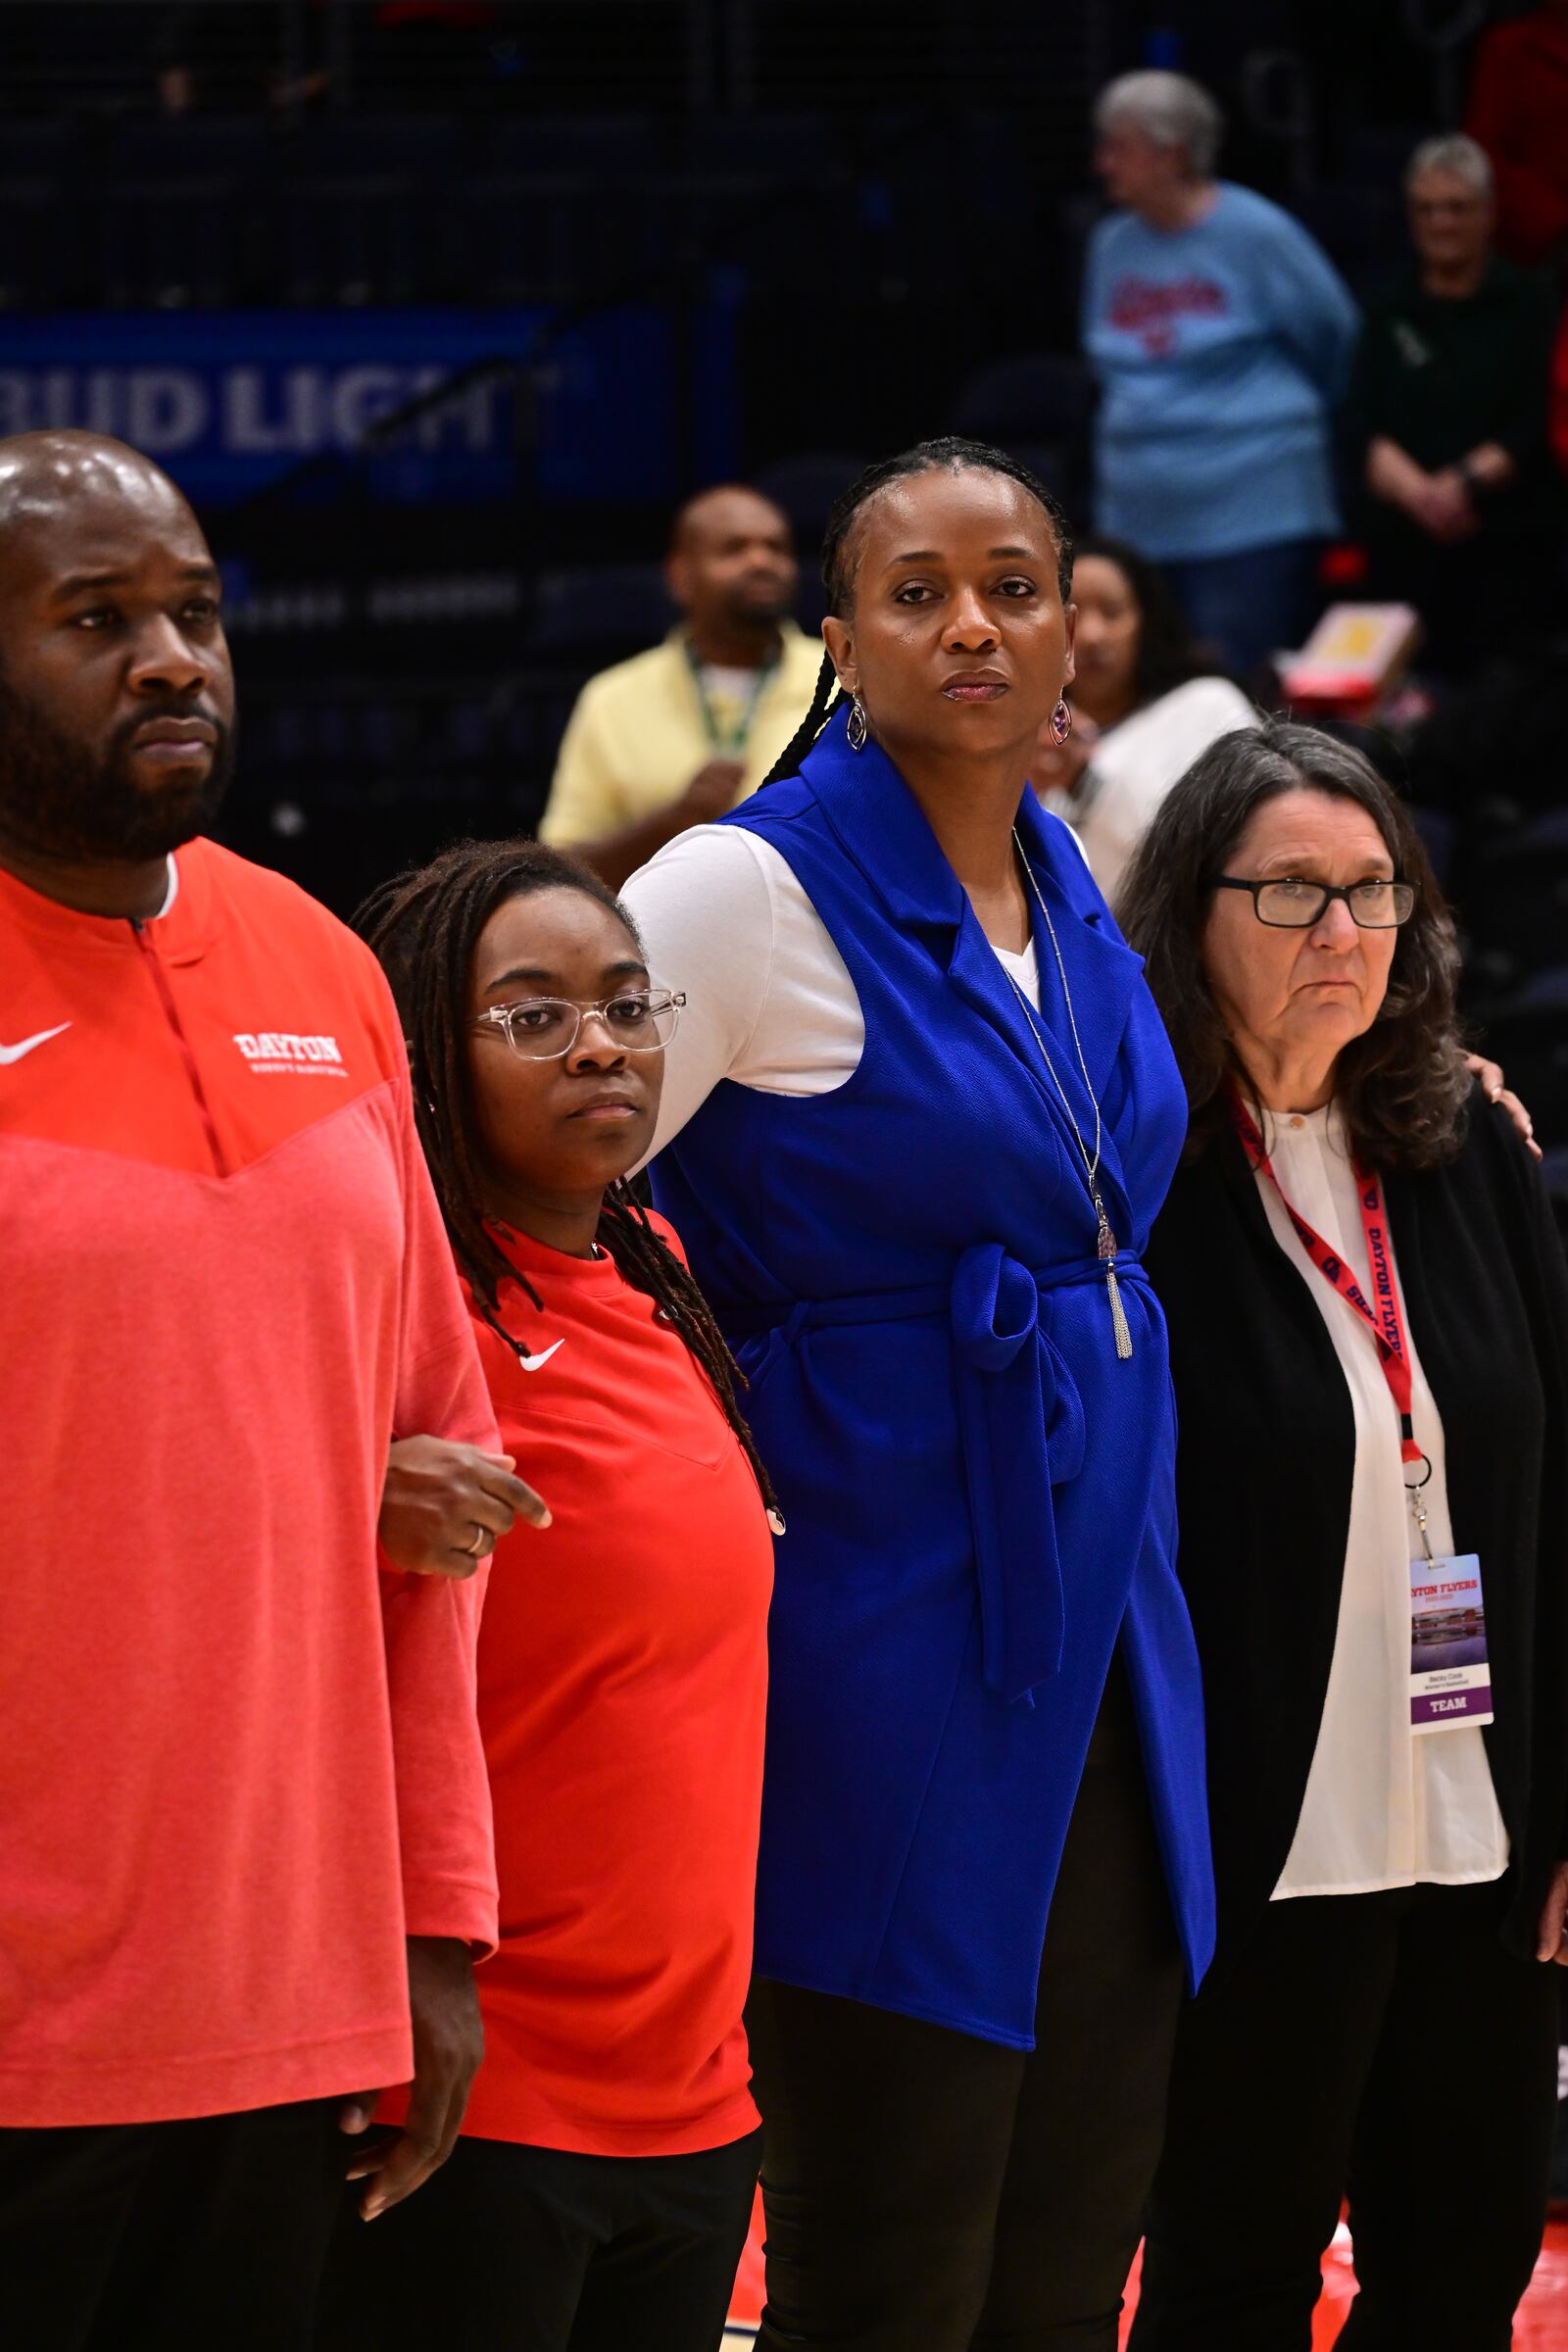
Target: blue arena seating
[
  {"x": 806, "y": 486},
  {"x": 183, "y": 210},
  {"x": 45, "y": 263},
  {"x": 1036, "y": 405},
  {"x": 1515, "y": 895},
  {"x": 599, "y": 612},
  {"x": 1041, "y": 395},
  {"x": 1528, "y": 1033}
]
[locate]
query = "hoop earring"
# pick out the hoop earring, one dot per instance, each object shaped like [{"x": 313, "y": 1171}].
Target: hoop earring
[
  {"x": 1061, "y": 722},
  {"x": 855, "y": 729}
]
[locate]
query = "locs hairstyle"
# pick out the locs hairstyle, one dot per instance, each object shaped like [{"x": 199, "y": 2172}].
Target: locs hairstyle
[
  {"x": 950, "y": 453},
  {"x": 1402, "y": 1085},
  {"x": 424, "y": 926}
]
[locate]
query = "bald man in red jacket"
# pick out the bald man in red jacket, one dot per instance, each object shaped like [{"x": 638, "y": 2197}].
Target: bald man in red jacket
[{"x": 245, "y": 1848}]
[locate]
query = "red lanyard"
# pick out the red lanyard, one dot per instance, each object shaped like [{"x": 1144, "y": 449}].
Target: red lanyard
[{"x": 1382, "y": 1314}]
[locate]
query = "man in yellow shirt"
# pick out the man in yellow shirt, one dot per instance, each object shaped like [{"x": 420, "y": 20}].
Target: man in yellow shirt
[{"x": 676, "y": 736}]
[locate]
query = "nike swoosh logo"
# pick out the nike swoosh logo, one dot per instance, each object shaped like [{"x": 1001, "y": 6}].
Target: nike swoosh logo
[
  {"x": 531, "y": 1363},
  {"x": 10, "y": 1054}
]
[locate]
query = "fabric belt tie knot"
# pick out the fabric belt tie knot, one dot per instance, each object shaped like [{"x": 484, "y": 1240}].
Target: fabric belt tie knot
[{"x": 1013, "y": 1384}]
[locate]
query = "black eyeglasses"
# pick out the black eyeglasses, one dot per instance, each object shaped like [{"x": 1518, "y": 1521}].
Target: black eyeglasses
[{"x": 1292, "y": 904}]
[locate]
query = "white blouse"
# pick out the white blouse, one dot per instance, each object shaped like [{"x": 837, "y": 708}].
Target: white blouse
[
  {"x": 1133, "y": 766},
  {"x": 770, "y": 1002},
  {"x": 1384, "y": 1806}
]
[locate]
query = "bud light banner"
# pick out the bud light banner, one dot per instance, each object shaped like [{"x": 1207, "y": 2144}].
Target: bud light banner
[{"x": 237, "y": 402}]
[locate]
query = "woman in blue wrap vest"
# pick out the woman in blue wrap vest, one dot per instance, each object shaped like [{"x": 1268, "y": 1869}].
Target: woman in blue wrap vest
[{"x": 920, "y": 1114}]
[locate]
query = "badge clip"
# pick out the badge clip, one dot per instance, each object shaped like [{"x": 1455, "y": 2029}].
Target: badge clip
[{"x": 1419, "y": 1505}]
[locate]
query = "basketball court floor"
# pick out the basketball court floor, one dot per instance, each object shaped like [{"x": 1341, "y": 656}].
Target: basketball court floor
[{"x": 1541, "y": 2325}]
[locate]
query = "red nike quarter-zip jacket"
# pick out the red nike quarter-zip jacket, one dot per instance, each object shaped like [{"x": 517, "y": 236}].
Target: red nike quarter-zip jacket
[{"x": 238, "y": 1761}]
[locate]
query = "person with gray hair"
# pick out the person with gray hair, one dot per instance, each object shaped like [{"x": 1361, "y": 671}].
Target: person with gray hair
[
  {"x": 1452, "y": 152},
  {"x": 1168, "y": 111},
  {"x": 1220, "y": 336},
  {"x": 1371, "y": 1512},
  {"x": 1448, "y": 420}
]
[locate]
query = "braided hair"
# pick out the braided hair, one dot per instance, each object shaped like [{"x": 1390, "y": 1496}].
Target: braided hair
[
  {"x": 950, "y": 452},
  {"x": 423, "y": 926}
]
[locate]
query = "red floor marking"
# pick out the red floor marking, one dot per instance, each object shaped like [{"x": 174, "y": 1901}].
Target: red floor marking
[
  {"x": 1541, "y": 2325},
  {"x": 1542, "y": 2321}
]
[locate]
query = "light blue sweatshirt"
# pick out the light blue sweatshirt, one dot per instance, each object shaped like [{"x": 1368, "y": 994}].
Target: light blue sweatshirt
[{"x": 1220, "y": 350}]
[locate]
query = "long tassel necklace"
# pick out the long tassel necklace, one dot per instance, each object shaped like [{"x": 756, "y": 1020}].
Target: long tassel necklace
[{"x": 1107, "y": 1244}]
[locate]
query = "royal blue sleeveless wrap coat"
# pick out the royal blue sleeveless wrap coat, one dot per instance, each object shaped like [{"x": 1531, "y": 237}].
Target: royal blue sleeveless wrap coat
[{"x": 979, "y": 1494}]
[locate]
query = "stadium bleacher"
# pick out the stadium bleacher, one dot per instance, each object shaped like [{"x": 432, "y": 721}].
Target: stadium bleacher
[{"x": 884, "y": 222}]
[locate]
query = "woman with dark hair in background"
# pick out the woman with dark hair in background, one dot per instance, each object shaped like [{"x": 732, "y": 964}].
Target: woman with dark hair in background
[
  {"x": 599, "y": 2195},
  {"x": 1143, "y": 704},
  {"x": 915, "y": 1127},
  {"x": 1369, "y": 1315}
]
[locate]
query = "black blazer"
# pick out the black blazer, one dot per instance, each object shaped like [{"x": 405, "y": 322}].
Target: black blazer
[{"x": 1264, "y": 1463}]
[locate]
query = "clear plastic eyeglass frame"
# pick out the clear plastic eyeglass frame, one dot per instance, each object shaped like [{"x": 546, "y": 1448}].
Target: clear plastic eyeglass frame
[{"x": 544, "y": 1028}]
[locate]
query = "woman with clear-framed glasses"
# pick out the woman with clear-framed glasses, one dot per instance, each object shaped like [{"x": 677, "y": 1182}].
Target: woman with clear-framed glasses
[
  {"x": 602, "y": 2188},
  {"x": 1368, "y": 1313}
]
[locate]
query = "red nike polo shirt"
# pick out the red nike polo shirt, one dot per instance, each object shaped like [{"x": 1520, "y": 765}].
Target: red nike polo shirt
[{"x": 237, "y": 1762}]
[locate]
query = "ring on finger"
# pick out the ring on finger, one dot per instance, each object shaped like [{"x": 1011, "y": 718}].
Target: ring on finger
[{"x": 474, "y": 1548}]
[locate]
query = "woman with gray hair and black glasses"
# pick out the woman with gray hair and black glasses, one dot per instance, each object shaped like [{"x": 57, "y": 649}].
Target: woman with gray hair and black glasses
[
  {"x": 1221, "y": 337},
  {"x": 1448, "y": 420},
  {"x": 1368, "y": 1310}
]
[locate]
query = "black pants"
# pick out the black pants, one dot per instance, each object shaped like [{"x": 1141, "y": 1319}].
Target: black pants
[
  {"x": 1380, "y": 2046},
  {"x": 514, "y": 2249},
  {"x": 166, "y": 2235},
  {"x": 926, "y": 2192}
]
